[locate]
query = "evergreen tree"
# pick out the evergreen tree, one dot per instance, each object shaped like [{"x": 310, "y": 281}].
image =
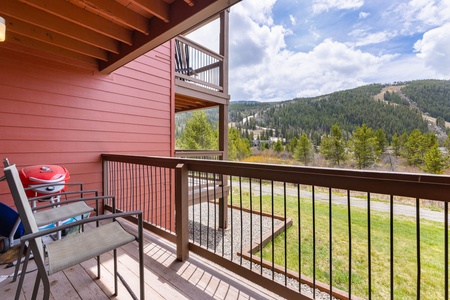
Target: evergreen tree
[
  {"x": 278, "y": 146},
  {"x": 364, "y": 145},
  {"x": 434, "y": 161},
  {"x": 238, "y": 147},
  {"x": 396, "y": 144},
  {"x": 198, "y": 133},
  {"x": 381, "y": 141},
  {"x": 447, "y": 143},
  {"x": 304, "y": 150},
  {"x": 292, "y": 145},
  {"x": 440, "y": 122},
  {"x": 333, "y": 147},
  {"x": 415, "y": 148}
]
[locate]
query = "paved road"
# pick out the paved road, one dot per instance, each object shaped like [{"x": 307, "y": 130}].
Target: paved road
[{"x": 399, "y": 209}]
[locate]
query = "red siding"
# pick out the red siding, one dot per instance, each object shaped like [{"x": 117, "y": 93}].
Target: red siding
[{"x": 53, "y": 113}]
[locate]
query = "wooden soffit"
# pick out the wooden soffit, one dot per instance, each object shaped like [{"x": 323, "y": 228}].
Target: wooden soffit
[{"x": 107, "y": 33}]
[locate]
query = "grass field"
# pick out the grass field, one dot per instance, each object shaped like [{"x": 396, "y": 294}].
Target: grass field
[{"x": 405, "y": 250}]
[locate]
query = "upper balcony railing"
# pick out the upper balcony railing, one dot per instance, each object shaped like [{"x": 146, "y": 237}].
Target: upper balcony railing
[
  {"x": 297, "y": 230},
  {"x": 199, "y": 66}
]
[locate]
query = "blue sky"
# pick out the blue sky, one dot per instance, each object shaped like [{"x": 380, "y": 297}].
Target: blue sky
[{"x": 282, "y": 49}]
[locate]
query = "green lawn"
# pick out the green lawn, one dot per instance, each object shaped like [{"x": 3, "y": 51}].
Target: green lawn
[{"x": 405, "y": 258}]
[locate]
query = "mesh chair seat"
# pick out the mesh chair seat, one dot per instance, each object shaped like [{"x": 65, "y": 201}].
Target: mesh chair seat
[
  {"x": 61, "y": 213},
  {"x": 65, "y": 253}
]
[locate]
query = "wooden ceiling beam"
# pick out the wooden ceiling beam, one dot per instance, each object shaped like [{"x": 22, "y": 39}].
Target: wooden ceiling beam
[
  {"x": 72, "y": 13},
  {"x": 115, "y": 11},
  {"x": 190, "y": 2},
  {"x": 41, "y": 46},
  {"x": 29, "y": 14},
  {"x": 54, "y": 38},
  {"x": 158, "y": 8}
]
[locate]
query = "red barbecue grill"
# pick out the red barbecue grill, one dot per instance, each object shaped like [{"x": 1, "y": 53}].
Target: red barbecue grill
[{"x": 34, "y": 177}]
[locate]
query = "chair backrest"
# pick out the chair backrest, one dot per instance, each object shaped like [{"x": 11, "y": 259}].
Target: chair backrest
[{"x": 23, "y": 206}]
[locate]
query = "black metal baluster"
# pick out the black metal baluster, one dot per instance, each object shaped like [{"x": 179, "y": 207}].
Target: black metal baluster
[
  {"x": 273, "y": 234},
  {"x": 152, "y": 198},
  {"x": 260, "y": 224},
  {"x": 446, "y": 248},
  {"x": 207, "y": 202},
  {"x": 242, "y": 217},
  {"x": 149, "y": 192},
  {"x": 226, "y": 205},
  {"x": 231, "y": 215},
  {"x": 126, "y": 197},
  {"x": 285, "y": 235},
  {"x": 299, "y": 242},
  {"x": 314, "y": 239},
  {"x": 193, "y": 206},
  {"x": 349, "y": 246},
  {"x": 160, "y": 197},
  {"x": 215, "y": 213},
  {"x": 170, "y": 201},
  {"x": 200, "y": 204},
  {"x": 369, "y": 254},
  {"x": 330, "y": 226},
  {"x": 251, "y": 221},
  {"x": 130, "y": 189},
  {"x": 141, "y": 187},
  {"x": 391, "y": 230},
  {"x": 134, "y": 184},
  {"x": 418, "y": 246},
  {"x": 165, "y": 200}
]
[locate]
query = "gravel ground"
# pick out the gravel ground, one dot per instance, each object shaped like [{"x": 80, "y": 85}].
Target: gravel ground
[{"x": 202, "y": 221}]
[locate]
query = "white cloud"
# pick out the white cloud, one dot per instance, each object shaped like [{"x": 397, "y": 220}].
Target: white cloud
[
  {"x": 363, "y": 15},
  {"x": 292, "y": 18},
  {"x": 263, "y": 68},
  {"x": 365, "y": 37},
  {"x": 434, "y": 49},
  {"x": 320, "y": 6},
  {"x": 252, "y": 42},
  {"x": 330, "y": 66},
  {"x": 418, "y": 15},
  {"x": 259, "y": 11}
]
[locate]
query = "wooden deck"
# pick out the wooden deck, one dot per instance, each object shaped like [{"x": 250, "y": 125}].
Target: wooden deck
[{"x": 165, "y": 277}]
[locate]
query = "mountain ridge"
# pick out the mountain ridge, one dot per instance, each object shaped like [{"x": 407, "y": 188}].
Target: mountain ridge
[{"x": 396, "y": 108}]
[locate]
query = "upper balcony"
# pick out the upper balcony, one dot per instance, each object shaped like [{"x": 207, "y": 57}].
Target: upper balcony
[{"x": 201, "y": 75}]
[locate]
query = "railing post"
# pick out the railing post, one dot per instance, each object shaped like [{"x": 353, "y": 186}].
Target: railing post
[
  {"x": 105, "y": 178},
  {"x": 223, "y": 146},
  {"x": 181, "y": 212}
]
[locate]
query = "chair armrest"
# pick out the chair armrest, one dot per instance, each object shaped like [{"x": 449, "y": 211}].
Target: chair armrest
[
  {"x": 45, "y": 232},
  {"x": 51, "y": 205},
  {"x": 46, "y": 197}
]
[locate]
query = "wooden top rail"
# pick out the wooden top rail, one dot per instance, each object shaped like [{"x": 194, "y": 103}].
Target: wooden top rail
[
  {"x": 199, "y": 47},
  {"x": 197, "y": 153},
  {"x": 423, "y": 186}
]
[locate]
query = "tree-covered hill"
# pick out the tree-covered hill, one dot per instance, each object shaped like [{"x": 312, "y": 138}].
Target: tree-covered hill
[
  {"x": 430, "y": 96},
  {"x": 315, "y": 116}
]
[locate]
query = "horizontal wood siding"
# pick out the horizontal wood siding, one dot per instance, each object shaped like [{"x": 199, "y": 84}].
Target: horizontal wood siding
[{"x": 56, "y": 113}]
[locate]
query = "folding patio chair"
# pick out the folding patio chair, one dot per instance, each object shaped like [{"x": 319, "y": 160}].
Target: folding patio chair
[
  {"x": 45, "y": 215},
  {"x": 65, "y": 253}
]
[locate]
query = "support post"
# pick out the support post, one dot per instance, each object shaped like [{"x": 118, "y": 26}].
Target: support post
[
  {"x": 223, "y": 146},
  {"x": 223, "y": 114},
  {"x": 181, "y": 212}
]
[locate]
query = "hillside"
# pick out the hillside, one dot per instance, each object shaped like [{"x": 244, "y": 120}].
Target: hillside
[{"x": 397, "y": 108}]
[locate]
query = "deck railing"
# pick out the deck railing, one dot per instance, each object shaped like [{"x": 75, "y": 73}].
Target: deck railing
[
  {"x": 295, "y": 230},
  {"x": 195, "y": 64}
]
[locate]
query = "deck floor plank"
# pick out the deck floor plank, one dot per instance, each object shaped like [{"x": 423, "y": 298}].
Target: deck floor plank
[{"x": 165, "y": 277}]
